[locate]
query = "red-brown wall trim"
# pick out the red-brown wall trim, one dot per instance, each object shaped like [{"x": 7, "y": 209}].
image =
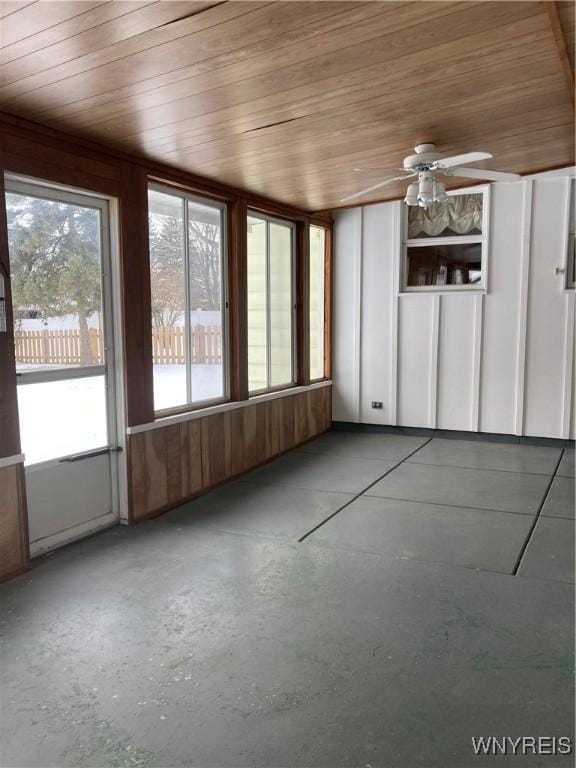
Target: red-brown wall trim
[
  {"x": 135, "y": 292},
  {"x": 9, "y": 428}
]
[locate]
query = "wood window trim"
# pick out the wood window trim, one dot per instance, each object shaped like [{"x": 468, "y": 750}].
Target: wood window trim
[
  {"x": 187, "y": 196},
  {"x": 296, "y": 271},
  {"x": 303, "y": 302},
  {"x": 328, "y": 288},
  {"x": 231, "y": 405}
]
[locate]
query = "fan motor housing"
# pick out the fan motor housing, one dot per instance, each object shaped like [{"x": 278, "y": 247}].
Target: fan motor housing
[{"x": 421, "y": 161}]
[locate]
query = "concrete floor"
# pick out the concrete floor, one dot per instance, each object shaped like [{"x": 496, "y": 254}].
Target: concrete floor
[{"x": 240, "y": 631}]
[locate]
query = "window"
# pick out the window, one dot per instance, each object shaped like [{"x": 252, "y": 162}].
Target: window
[
  {"x": 317, "y": 289},
  {"x": 270, "y": 304},
  {"x": 188, "y": 286},
  {"x": 445, "y": 244},
  {"x": 571, "y": 255}
]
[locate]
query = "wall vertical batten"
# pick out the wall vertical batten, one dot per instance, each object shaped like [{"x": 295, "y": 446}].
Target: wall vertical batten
[{"x": 524, "y": 285}]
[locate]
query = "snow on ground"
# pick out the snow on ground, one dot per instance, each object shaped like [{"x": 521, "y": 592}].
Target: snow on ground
[{"x": 58, "y": 418}]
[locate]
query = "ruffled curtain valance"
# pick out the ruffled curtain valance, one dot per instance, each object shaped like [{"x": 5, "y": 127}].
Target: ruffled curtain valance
[{"x": 461, "y": 214}]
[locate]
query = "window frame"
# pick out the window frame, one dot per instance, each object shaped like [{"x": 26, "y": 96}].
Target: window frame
[
  {"x": 222, "y": 206},
  {"x": 252, "y": 213},
  {"x": 325, "y": 303},
  {"x": 483, "y": 239}
]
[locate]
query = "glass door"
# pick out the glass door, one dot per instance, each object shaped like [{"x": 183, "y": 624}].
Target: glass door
[{"x": 59, "y": 244}]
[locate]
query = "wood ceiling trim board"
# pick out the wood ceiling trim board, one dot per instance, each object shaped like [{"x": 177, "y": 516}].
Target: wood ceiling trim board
[
  {"x": 349, "y": 182},
  {"x": 33, "y": 48},
  {"x": 567, "y": 12},
  {"x": 339, "y": 62},
  {"x": 16, "y": 126},
  {"x": 237, "y": 85},
  {"x": 106, "y": 26},
  {"x": 258, "y": 150},
  {"x": 8, "y": 7},
  {"x": 341, "y": 53},
  {"x": 557, "y": 32},
  {"x": 465, "y": 185},
  {"x": 460, "y": 134},
  {"x": 179, "y": 33},
  {"x": 164, "y": 88},
  {"x": 531, "y": 149},
  {"x": 244, "y": 36},
  {"x": 508, "y": 155},
  {"x": 317, "y": 191},
  {"x": 327, "y": 95},
  {"x": 40, "y": 16},
  {"x": 383, "y": 109}
]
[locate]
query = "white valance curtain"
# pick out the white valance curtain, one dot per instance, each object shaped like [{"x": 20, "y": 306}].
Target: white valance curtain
[{"x": 461, "y": 215}]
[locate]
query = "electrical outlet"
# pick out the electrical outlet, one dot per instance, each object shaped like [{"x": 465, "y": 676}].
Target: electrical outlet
[{"x": 377, "y": 404}]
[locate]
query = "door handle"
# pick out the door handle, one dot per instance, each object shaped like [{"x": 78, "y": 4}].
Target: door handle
[{"x": 89, "y": 454}]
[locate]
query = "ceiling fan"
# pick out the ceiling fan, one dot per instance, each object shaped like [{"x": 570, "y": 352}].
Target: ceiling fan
[{"x": 426, "y": 164}]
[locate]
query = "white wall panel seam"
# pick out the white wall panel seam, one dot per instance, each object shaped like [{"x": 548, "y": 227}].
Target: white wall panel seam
[
  {"x": 397, "y": 240},
  {"x": 525, "y": 249},
  {"x": 476, "y": 362},
  {"x": 568, "y": 392},
  {"x": 434, "y": 353},
  {"x": 359, "y": 254}
]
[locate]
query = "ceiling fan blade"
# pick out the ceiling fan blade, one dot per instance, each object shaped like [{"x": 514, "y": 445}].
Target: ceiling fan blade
[
  {"x": 468, "y": 157},
  {"x": 376, "y": 168},
  {"x": 484, "y": 173},
  {"x": 375, "y": 186}
]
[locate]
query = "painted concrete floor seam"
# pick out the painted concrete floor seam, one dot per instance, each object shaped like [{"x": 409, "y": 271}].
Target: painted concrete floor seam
[
  {"x": 446, "y": 504},
  {"x": 361, "y": 493},
  {"x": 537, "y": 516},
  {"x": 481, "y": 469}
]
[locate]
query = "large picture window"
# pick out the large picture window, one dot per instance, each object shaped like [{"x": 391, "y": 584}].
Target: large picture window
[
  {"x": 317, "y": 296},
  {"x": 188, "y": 286},
  {"x": 445, "y": 244},
  {"x": 270, "y": 303}
]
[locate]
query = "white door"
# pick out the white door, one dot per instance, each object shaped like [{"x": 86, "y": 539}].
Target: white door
[{"x": 59, "y": 243}]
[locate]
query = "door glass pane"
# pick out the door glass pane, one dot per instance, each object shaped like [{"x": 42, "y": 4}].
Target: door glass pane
[
  {"x": 257, "y": 306},
  {"x": 55, "y": 259},
  {"x": 280, "y": 304},
  {"x": 167, "y": 255},
  {"x": 206, "y": 306},
  {"x": 317, "y": 256},
  {"x": 58, "y": 418}
]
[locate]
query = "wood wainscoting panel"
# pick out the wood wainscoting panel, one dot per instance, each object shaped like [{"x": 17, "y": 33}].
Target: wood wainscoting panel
[
  {"x": 256, "y": 434},
  {"x": 14, "y": 552},
  {"x": 172, "y": 464},
  {"x": 282, "y": 427},
  {"x": 156, "y": 468},
  {"x": 137, "y": 476},
  {"x": 216, "y": 449},
  {"x": 191, "y": 458}
]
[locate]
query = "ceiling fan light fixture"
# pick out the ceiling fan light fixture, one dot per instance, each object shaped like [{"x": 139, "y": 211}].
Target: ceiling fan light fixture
[
  {"x": 440, "y": 195},
  {"x": 425, "y": 190},
  {"x": 412, "y": 194}
]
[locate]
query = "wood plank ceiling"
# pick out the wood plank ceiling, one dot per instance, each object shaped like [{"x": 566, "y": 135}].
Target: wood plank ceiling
[{"x": 286, "y": 98}]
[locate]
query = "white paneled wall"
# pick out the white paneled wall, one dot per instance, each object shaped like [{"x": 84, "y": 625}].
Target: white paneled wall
[{"x": 496, "y": 361}]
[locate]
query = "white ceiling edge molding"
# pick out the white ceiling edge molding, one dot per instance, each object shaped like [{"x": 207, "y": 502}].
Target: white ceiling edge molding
[{"x": 557, "y": 173}]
